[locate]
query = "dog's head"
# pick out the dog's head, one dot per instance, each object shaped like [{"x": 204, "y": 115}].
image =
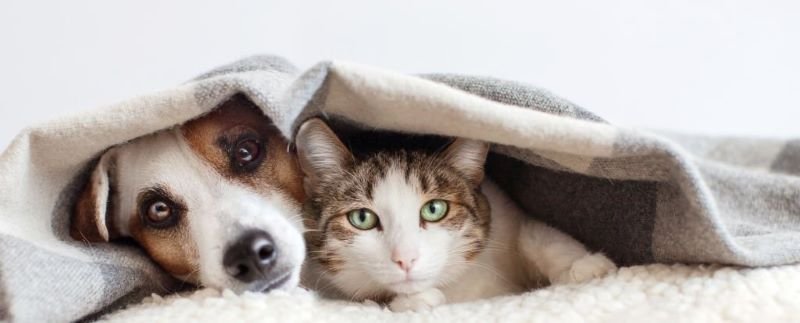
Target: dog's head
[{"x": 215, "y": 202}]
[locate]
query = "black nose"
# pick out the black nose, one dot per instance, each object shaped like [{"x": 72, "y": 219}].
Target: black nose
[{"x": 250, "y": 258}]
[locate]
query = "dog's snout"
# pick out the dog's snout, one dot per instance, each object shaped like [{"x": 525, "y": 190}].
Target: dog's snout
[{"x": 251, "y": 257}]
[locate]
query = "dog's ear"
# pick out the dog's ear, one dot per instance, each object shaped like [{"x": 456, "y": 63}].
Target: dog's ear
[
  {"x": 320, "y": 151},
  {"x": 468, "y": 156},
  {"x": 88, "y": 222}
]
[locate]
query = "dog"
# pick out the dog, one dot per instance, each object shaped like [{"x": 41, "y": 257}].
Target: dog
[{"x": 215, "y": 202}]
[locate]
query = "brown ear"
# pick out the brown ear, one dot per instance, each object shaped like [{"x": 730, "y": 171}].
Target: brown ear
[
  {"x": 320, "y": 151},
  {"x": 88, "y": 222},
  {"x": 468, "y": 157}
]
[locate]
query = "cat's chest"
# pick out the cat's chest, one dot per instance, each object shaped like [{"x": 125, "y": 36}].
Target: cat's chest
[
  {"x": 483, "y": 281},
  {"x": 498, "y": 270}
]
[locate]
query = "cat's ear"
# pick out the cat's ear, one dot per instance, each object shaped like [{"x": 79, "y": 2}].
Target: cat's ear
[
  {"x": 468, "y": 157},
  {"x": 320, "y": 151}
]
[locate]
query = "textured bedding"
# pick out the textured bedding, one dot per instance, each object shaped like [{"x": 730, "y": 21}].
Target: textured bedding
[
  {"x": 653, "y": 293},
  {"x": 640, "y": 196}
]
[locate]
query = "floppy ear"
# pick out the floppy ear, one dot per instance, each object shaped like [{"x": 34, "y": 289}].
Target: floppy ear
[
  {"x": 320, "y": 151},
  {"x": 88, "y": 222},
  {"x": 467, "y": 156}
]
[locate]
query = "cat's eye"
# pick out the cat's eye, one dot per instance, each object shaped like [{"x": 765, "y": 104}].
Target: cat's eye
[
  {"x": 434, "y": 210},
  {"x": 362, "y": 219}
]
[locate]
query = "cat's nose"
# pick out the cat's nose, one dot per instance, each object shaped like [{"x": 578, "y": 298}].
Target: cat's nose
[
  {"x": 405, "y": 265},
  {"x": 405, "y": 259}
]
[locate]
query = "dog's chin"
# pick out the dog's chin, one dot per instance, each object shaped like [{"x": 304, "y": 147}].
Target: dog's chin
[{"x": 283, "y": 281}]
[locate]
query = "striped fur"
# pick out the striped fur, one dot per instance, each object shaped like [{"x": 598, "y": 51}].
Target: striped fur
[
  {"x": 395, "y": 184},
  {"x": 352, "y": 188},
  {"x": 484, "y": 246}
]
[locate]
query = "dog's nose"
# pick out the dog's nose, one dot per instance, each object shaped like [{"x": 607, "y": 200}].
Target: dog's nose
[{"x": 250, "y": 258}]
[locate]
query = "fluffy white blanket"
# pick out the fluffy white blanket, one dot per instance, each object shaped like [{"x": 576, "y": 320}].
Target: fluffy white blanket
[{"x": 653, "y": 293}]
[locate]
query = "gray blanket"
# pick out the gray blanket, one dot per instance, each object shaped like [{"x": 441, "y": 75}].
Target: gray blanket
[{"x": 639, "y": 196}]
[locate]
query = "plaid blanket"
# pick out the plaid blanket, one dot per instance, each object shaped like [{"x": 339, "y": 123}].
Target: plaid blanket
[{"x": 640, "y": 196}]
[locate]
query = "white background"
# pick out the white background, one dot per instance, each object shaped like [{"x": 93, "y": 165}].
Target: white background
[{"x": 719, "y": 67}]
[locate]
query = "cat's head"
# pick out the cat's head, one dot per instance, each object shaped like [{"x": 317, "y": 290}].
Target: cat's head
[{"x": 393, "y": 221}]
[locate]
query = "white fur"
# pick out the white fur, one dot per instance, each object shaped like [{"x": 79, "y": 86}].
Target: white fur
[
  {"x": 521, "y": 252},
  {"x": 426, "y": 299},
  {"x": 219, "y": 210}
]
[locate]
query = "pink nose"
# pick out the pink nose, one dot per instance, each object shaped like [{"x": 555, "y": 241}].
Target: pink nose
[{"x": 405, "y": 259}]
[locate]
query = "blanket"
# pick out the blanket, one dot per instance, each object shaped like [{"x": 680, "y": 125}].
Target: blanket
[
  {"x": 639, "y": 196},
  {"x": 652, "y": 293}
]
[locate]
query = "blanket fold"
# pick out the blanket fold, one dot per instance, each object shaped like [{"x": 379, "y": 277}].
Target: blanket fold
[{"x": 639, "y": 196}]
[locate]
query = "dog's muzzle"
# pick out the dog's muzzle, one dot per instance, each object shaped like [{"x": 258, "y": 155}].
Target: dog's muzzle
[{"x": 251, "y": 260}]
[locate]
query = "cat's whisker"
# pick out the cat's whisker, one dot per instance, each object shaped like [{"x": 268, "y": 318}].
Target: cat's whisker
[
  {"x": 359, "y": 294},
  {"x": 489, "y": 269},
  {"x": 495, "y": 243},
  {"x": 320, "y": 277}
]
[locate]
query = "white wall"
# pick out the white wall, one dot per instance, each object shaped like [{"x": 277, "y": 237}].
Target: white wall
[{"x": 721, "y": 66}]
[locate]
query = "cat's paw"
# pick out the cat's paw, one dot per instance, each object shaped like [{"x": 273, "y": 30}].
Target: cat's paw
[
  {"x": 419, "y": 301},
  {"x": 586, "y": 268}
]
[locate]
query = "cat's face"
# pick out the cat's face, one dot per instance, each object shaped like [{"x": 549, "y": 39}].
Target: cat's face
[{"x": 393, "y": 222}]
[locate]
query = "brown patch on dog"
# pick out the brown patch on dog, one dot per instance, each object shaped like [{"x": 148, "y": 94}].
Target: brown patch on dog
[
  {"x": 89, "y": 220},
  {"x": 169, "y": 243},
  {"x": 173, "y": 248},
  {"x": 85, "y": 224},
  {"x": 212, "y": 135}
]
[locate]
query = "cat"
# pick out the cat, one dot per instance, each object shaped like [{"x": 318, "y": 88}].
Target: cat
[{"x": 416, "y": 229}]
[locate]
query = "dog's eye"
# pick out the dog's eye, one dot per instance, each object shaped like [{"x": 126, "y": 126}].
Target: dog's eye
[
  {"x": 159, "y": 209},
  {"x": 247, "y": 151},
  {"x": 159, "y": 212},
  {"x": 247, "y": 154}
]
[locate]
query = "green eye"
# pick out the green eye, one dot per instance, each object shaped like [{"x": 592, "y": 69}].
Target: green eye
[
  {"x": 363, "y": 219},
  {"x": 434, "y": 210}
]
